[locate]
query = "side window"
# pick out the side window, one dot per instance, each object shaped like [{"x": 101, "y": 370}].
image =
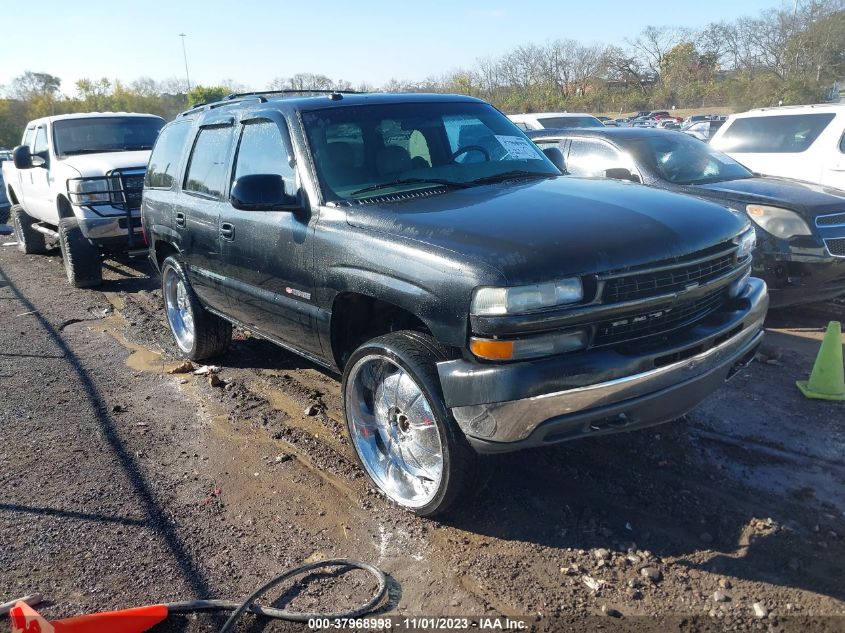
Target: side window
[
  {"x": 842, "y": 143},
  {"x": 164, "y": 161},
  {"x": 591, "y": 158},
  {"x": 788, "y": 133},
  {"x": 522, "y": 126},
  {"x": 28, "y": 137},
  {"x": 262, "y": 151},
  {"x": 40, "y": 140},
  {"x": 207, "y": 168}
]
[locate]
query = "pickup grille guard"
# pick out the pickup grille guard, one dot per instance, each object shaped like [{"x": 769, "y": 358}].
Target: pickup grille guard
[{"x": 125, "y": 189}]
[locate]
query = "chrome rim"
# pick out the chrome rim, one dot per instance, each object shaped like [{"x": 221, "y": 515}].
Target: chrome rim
[
  {"x": 394, "y": 431},
  {"x": 178, "y": 307}
]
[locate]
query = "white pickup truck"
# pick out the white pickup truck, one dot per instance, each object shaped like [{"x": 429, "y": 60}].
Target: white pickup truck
[{"x": 76, "y": 181}]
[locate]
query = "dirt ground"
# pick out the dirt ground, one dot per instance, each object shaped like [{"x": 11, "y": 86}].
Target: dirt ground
[{"x": 122, "y": 484}]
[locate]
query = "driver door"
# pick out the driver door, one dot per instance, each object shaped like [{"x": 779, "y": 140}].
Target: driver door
[{"x": 39, "y": 203}]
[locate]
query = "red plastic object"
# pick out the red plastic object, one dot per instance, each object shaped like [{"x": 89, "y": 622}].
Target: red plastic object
[{"x": 25, "y": 619}]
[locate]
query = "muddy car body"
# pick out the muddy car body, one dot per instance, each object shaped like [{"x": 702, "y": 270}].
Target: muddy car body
[{"x": 472, "y": 298}]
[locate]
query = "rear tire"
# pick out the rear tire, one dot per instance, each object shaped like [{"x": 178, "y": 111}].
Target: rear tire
[
  {"x": 404, "y": 437},
  {"x": 83, "y": 266},
  {"x": 30, "y": 241},
  {"x": 199, "y": 334}
]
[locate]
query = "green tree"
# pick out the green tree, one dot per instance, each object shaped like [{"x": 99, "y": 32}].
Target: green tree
[{"x": 207, "y": 94}]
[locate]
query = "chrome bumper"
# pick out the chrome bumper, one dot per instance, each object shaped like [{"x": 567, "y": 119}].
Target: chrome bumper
[
  {"x": 638, "y": 400},
  {"x": 107, "y": 227}
]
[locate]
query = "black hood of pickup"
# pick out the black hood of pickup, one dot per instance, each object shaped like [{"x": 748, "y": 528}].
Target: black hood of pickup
[
  {"x": 543, "y": 229},
  {"x": 804, "y": 197}
]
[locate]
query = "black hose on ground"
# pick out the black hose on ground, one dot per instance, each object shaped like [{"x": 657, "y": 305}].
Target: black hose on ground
[{"x": 248, "y": 605}]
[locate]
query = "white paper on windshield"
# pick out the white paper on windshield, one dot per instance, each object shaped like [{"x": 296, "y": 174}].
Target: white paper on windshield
[{"x": 518, "y": 148}]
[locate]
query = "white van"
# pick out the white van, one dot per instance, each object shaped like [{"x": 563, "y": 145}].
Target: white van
[{"x": 802, "y": 142}]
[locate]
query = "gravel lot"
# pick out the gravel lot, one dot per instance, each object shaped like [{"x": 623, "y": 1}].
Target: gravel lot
[{"x": 123, "y": 484}]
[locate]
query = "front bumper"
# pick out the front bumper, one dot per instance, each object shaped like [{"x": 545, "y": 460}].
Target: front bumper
[
  {"x": 801, "y": 278},
  {"x": 109, "y": 225},
  {"x": 512, "y": 406}
]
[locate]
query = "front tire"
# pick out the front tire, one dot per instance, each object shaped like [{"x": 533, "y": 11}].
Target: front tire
[
  {"x": 83, "y": 266},
  {"x": 404, "y": 436},
  {"x": 30, "y": 241},
  {"x": 199, "y": 334}
]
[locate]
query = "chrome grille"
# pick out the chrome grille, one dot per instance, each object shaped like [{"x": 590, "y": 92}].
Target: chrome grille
[
  {"x": 834, "y": 219},
  {"x": 658, "y": 321}
]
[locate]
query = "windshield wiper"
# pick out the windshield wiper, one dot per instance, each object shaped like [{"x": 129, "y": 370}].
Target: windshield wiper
[
  {"x": 507, "y": 175},
  {"x": 88, "y": 151},
  {"x": 412, "y": 181},
  {"x": 135, "y": 148}
]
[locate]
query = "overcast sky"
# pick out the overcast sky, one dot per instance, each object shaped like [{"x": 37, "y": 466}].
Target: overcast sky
[{"x": 254, "y": 41}]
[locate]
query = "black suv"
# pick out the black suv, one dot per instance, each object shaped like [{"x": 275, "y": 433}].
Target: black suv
[{"x": 473, "y": 299}]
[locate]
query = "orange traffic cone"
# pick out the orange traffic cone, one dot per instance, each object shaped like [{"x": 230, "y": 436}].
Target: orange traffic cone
[{"x": 25, "y": 619}]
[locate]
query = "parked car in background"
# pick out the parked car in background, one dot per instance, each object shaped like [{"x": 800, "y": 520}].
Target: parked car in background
[
  {"x": 471, "y": 296},
  {"x": 800, "y": 227},
  {"x": 5, "y": 154},
  {"x": 75, "y": 181},
  {"x": 668, "y": 124},
  {"x": 5, "y": 205},
  {"x": 704, "y": 130},
  {"x": 554, "y": 119},
  {"x": 805, "y": 142}
]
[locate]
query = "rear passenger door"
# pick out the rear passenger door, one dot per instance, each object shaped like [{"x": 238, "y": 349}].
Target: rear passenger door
[
  {"x": 267, "y": 255},
  {"x": 196, "y": 213}
]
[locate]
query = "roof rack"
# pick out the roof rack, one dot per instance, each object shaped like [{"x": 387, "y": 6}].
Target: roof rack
[{"x": 260, "y": 95}]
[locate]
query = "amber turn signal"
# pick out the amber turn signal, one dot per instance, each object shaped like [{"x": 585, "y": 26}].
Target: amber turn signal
[{"x": 491, "y": 349}]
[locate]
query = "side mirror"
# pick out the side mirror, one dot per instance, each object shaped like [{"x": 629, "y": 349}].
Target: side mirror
[
  {"x": 262, "y": 192},
  {"x": 556, "y": 156},
  {"x": 621, "y": 173},
  {"x": 22, "y": 157}
]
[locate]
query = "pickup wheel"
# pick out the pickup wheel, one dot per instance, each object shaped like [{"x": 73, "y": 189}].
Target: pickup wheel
[
  {"x": 83, "y": 266},
  {"x": 404, "y": 436},
  {"x": 30, "y": 241},
  {"x": 199, "y": 334}
]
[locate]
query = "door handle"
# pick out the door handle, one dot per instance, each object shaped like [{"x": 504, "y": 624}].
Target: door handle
[
  {"x": 227, "y": 231},
  {"x": 180, "y": 220}
]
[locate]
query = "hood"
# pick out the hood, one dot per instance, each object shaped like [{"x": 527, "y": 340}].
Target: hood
[
  {"x": 99, "y": 164},
  {"x": 805, "y": 197},
  {"x": 540, "y": 230}
]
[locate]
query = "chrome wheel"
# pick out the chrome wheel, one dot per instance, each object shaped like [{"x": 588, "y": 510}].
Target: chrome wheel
[
  {"x": 178, "y": 307},
  {"x": 394, "y": 431}
]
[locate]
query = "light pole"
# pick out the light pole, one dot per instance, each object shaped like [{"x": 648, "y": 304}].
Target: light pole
[{"x": 185, "y": 55}]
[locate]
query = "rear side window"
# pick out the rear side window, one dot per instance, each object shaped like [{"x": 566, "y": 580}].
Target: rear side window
[
  {"x": 164, "y": 161},
  {"x": 262, "y": 151},
  {"x": 207, "y": 168},
  {"x": 788, "y": 133}
]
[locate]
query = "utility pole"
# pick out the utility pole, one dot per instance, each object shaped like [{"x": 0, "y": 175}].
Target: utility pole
[{"x": 185, "y": 55}]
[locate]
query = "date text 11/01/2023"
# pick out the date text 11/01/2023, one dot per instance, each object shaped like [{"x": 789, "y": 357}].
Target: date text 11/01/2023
[{"x": 419, "y": 623}]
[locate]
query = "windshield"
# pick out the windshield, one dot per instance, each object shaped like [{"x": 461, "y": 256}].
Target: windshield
[
  {"x": 569, "y": 121},
  {"x": 683, "y": 160},
  {"x": 107, "y": 134},
  {"x": 365, "y": 151}
]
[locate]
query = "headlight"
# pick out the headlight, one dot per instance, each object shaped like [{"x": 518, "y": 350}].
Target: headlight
[
  {"x": 781, "y": 223},
  {"x": 745, "y": 243},
  {"x": 529, "y": 347},
  {"x": 521, "y": 299},
  {"x": 89, "y": 190}
]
